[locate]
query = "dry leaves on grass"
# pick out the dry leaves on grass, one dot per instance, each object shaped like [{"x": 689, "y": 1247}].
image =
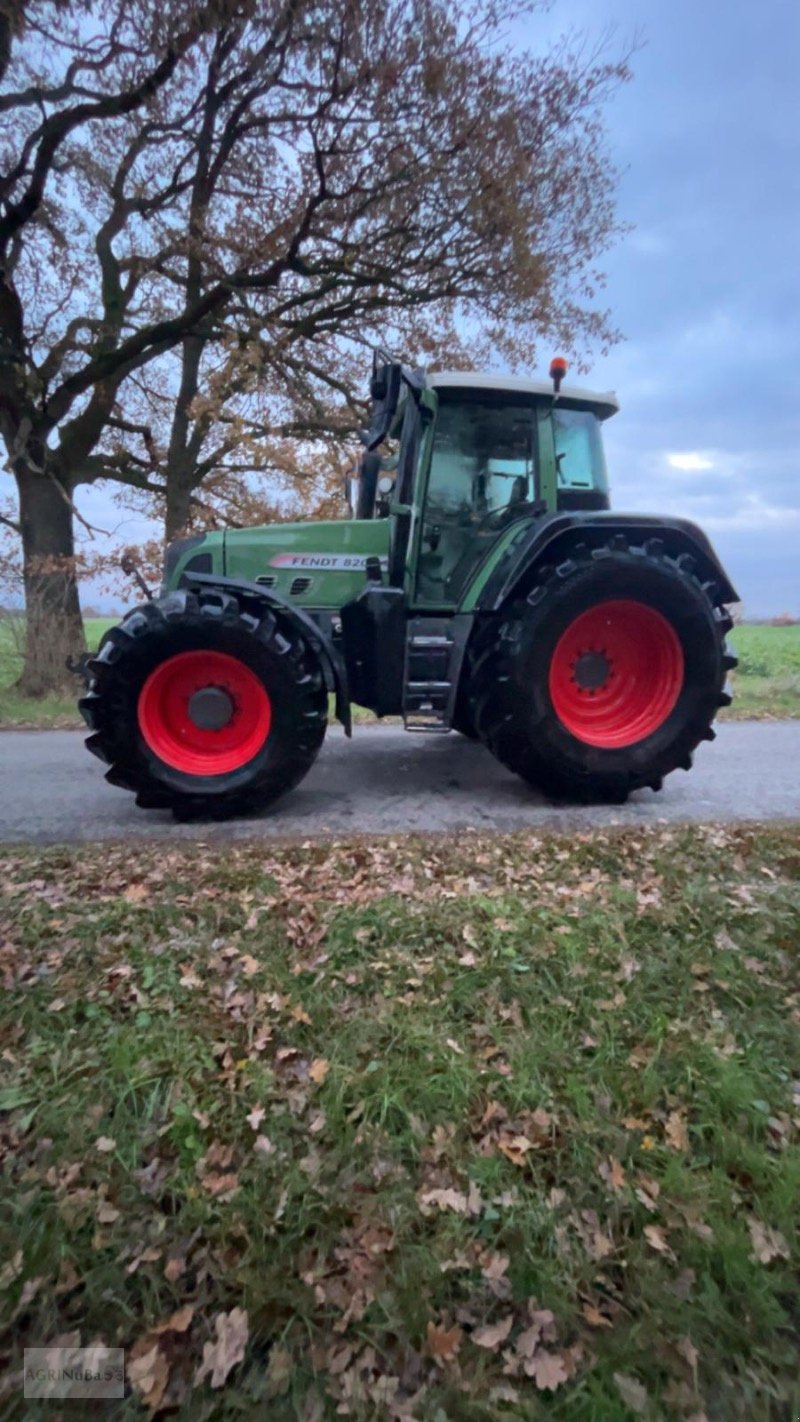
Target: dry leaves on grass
[
  {"x": 768, "y": 1243},
  {"x": 537, "y": 1356},
  {"x": 151, "y": 1359},
  {"x": 222, "y": 1356}
]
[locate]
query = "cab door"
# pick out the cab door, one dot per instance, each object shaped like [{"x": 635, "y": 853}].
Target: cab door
[{"x": 482, "y": 477}]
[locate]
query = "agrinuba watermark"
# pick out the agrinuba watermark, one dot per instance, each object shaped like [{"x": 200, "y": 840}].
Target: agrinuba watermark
[{"x": 74, "y": 1372}]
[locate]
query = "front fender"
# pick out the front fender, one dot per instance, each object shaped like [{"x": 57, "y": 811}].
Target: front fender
[
  {"x": 255, "y": 593},
  {"x": 552, "y": 537}
]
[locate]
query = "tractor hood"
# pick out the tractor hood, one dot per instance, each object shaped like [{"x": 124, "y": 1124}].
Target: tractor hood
[{"x": 313, "y": 564}]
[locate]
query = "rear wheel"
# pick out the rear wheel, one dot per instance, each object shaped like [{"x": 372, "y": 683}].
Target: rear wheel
[
  {"x": 607, "y": 676},
  {"x": 203, "y": 707}
]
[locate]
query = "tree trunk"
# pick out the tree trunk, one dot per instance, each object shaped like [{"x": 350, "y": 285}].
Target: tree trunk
[
  {"x": 178, "y": 504},
  {"x": 54, "y": 626}
]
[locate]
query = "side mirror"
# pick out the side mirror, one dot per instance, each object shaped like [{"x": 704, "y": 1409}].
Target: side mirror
[
  {"x": 385, "y": 391},
  {"x": 368, "y": 484}
]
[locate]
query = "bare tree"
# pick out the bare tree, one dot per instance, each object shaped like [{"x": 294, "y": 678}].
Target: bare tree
[{"x": 208, "y": 206}]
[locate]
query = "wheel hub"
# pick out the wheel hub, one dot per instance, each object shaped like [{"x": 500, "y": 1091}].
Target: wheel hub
[
  {"x": 204, "y": 712},
  {"x": 592, "y": 670},
  {"x": 616, "y": 673},
  {"x": 211, "y": 708}
]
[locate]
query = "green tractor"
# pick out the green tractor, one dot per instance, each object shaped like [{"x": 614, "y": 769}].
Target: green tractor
[{"x": 484, "y": 586}]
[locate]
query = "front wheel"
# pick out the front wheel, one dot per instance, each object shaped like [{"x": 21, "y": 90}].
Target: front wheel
[
  {"x": 202, "y": 707},
  {"x": 607, "y": 676}
]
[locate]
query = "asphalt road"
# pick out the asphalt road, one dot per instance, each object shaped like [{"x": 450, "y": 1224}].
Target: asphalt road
[{"x": 387, "y": 781}]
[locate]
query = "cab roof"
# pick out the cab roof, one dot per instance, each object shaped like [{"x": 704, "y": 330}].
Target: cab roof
[{"x": 603, "y": 403}]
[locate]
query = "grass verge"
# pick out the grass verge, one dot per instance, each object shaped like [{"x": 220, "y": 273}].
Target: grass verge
[
  {"x": 56, "y": 712},
  {"x": 499, "y": 1129}
]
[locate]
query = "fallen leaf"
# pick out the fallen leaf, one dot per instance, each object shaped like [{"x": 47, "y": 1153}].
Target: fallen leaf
[
  {"x": 11, "y": 1270},
  {"x": 250, "y": 965},
  {"x": 106, "y": 1214},
  {"x": 632, "y": 1393},
  {"x": 148, "y": 1375},
  {"x": 221, "y": 1186},
  {"x": 595, "y": 1318},
  {"x": 492, "y": 1335},
  {"x": 279, "y": 1371},
  {"x": 30, "y": 1289},
  {"x": 255, "y": 1117},
  {"x": 676, "y": 1133},
  {"x": 503, "y": 1392},
  {"x": 647, "y": 1192},
  {"x": 174, "y": 1267},
  {"x": 135, "y": 893},
  {"x": 495, "y": 1267},
  {"x": 68, "y": 1277},
  {"x": 222, "y": 1356},
  {"x": 657, "y": 1239},
  {"x": 263, "y": 1145},
  {"x": 689, "y": 1353},
  {"x": 612, "y": 1172},
  {"x": 444, "y": 1200},
  {"x": 105, "y": 1144},
  {"x": 724, "y": 942},
  {"x": 148, "y": 1255},
  {"x": 768, "y": 1243},
  {"x": 177, "y": 1322},
  {"x": 319, "y": 1070},
  {"x": 547, "y": 1370},
  {"x": 443, "y": 1343}
]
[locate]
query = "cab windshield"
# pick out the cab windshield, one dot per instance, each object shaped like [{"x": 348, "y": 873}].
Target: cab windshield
[{"x": 483, "y": 475}]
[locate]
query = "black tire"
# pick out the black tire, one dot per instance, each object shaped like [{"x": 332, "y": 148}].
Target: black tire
[
  {"x": 509, "y": 672},
  {"x": 210, "y": 620}
]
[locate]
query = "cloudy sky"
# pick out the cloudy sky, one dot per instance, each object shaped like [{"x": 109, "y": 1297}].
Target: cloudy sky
[{"x": 707, "y": 287}]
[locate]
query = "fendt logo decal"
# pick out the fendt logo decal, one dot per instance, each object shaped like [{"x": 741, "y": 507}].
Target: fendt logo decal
[{"x": 324, "y": 562}]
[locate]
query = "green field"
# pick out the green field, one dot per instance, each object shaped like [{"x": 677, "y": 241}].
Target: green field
[
  {"x": 766, "y": 685},
  {"x": 502, "y": 1128},
  {"x": 51, "y": 712}
]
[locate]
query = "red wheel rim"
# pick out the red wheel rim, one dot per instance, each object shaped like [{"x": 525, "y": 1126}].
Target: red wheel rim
[
  {"x": 188, "y": 691},
  {"x": 616, "y": 673}
]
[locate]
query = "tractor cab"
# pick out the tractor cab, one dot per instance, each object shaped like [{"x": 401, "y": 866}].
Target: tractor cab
[
  {"x": 479, "y": 457},
  {"x": 502, "y": 453}
]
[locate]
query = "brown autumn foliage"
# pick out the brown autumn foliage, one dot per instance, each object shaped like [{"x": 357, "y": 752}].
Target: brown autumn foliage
[{"x": 209, "y": 208}]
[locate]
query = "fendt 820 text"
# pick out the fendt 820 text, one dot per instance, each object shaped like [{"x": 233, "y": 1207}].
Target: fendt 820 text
[{"x": 484, "y": 586}]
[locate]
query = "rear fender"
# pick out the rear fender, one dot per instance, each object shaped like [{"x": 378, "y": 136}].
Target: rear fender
[
  {"x": 257, "y": 596},
  {"x": 553, "y": 537}
]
